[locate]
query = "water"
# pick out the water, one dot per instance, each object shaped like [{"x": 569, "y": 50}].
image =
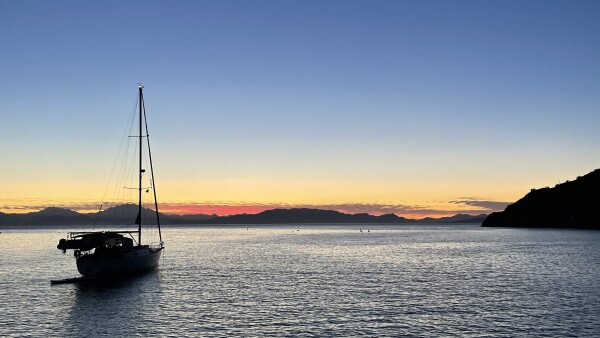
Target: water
[{"x": 319, "y": 281}]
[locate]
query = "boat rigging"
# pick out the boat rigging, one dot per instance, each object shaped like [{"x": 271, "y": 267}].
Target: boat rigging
[{"x": 115, "y": 252}]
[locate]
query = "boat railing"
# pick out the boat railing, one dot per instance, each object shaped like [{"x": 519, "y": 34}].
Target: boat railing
[{"x": 79, "y": 234}]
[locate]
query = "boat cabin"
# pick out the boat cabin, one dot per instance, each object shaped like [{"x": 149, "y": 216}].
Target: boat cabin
[{"x": 99, "y": 240}]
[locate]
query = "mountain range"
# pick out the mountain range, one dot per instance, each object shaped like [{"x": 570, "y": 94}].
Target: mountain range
[
  {"x": 572, "y": 204},
  {"x": 113, "y": 216}
]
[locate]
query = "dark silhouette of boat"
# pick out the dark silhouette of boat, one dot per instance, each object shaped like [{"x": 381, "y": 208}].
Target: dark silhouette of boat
[{"x": 100, "y": 253}]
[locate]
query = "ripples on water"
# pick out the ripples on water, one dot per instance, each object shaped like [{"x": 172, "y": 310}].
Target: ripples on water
[{"x": 319, "y": 281}]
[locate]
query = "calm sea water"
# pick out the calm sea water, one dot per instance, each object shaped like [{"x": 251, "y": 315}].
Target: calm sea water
[{"x": 319, "y": 281}]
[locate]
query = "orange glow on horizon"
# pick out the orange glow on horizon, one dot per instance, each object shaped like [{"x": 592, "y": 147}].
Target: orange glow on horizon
[{"x": 228, "y": 209}]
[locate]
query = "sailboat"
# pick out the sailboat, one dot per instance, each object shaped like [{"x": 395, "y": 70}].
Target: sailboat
[{"x": 99, "y": 253}]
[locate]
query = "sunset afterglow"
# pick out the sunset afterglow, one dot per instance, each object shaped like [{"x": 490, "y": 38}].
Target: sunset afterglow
[{"x": 390, "y": 106}]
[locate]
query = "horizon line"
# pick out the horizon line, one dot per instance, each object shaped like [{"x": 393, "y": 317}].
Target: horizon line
[{"x": 230, "y": 209}]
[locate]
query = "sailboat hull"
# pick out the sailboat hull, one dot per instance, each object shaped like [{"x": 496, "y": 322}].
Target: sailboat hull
[{"x": 107, "y": 263}]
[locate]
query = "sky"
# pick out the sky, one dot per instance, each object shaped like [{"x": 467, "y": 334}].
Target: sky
[{"x": 419, "y": 108}]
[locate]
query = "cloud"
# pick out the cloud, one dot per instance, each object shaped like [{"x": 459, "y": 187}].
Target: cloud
[{"x": 483, "y": 204}]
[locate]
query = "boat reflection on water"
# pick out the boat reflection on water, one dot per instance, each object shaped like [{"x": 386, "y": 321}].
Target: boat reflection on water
[{"x": 108, "y": 304}]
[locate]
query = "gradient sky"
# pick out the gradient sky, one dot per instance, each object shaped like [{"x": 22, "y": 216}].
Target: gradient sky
[{"x": 414, "y": 107}]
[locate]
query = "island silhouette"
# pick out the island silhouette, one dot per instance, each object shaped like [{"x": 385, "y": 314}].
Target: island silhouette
[
  {"x": 572, "y": 204},
  {"x": 53, "y": 216}
]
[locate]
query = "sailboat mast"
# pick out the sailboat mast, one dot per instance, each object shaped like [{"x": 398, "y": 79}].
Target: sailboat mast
[{"x": 141, "y": 101}]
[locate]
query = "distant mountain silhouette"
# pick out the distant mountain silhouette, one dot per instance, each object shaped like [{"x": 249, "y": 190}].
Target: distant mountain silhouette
[
  {"x": 120, "y": 215},
  {"x": 458, "y": 218},
  {"x": 49, "y": 216},
  {"x": 54, "y": 211},
  {"x": 315, "y": 216},
  {"x": 568, "y": 205},
  {"x": 305, "y": 215},
  {"x": 125, "y": 215}
]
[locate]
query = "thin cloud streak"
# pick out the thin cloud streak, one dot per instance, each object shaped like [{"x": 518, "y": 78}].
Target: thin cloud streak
[{"x": 484, "y": 204}]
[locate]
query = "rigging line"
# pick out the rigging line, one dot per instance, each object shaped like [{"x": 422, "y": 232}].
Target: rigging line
[
  {"x": 129, "y": 171},
  {"x": 120, "y": 149},
  {"x": 118, "y": 194},
  {"x": 97, "y": 216},
  {"x": 123, "y": 141},
  {"x": 151, "y": 169}
]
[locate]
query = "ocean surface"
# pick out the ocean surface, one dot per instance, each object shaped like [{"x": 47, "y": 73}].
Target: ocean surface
[{"x": 315, "y": 281}]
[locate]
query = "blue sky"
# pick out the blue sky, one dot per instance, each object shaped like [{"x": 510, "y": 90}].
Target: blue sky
[{"x": 303, "y": 102}]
